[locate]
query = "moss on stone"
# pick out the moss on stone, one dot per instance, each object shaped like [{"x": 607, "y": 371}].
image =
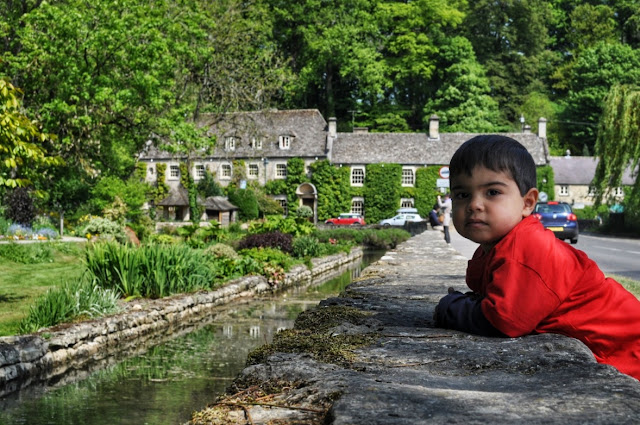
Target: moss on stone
[{"x": 321, "y": 319}]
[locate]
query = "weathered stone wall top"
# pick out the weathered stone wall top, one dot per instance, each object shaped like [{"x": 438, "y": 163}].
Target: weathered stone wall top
[{"x": 410, "y": 372}]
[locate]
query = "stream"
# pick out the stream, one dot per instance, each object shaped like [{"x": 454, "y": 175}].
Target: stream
[{"x": 171, "y": 380}]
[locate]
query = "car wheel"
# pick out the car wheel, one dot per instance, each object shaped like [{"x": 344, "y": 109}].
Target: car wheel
[
  {"x": 356, "y": 224},
  {"x": 386, "y": 225},
  {"x": 574, "y": 241}
]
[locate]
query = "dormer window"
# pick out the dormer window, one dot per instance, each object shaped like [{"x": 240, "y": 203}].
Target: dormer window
[
  {"x": 285, "y": 142},
  {"x": 230, "y": 143},
  {"x": 256, "y": 143}
]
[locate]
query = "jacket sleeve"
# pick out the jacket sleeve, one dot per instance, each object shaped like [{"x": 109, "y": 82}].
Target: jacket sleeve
[{"x": 463, "y": 312}]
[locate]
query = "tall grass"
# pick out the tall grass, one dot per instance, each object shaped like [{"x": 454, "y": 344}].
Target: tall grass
[
  {"x": 74, "y": 299},
  {"x": 151, "y": 271}
]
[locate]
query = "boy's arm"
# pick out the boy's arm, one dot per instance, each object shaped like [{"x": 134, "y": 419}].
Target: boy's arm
[{"x": 462, "y": 312}]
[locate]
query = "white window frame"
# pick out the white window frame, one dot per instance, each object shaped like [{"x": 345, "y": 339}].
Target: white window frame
[
  {"x": 226, "y": 171},
  {"x": 284, "y": 141},
  {"x": 592, "y": 191},
  {"x": 563, "y": 190},
  {"x": 282, "y": 200},
  {"x": 199, "y": 171},
  {"x": 357, "y": 176},
  {"x": 230, "y": 143},
  {"x": 256, "y": 143},
  {"x": 281, "y": 171},
  {"x": 174, "y": 172},
  {"x": 618, "y": 192},
  {"x": 357, "y": 206},
  {"x": 407, "y": 203},
  {"x": 253, "y": 171},
  {"x": 408, "y": 177}
]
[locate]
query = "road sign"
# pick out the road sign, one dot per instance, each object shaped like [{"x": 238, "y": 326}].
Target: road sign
[
  {"x": 444, "y": 172},
  {"x": 442, "y": 183}
]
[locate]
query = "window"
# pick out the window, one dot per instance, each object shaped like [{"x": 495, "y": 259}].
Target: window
[
  {"x": 225, "y": 171},
  {"x": 151, "y": 170},
  {"x": 281, "y": 171},
  {"x": 407, "y": 177},
  {"x": 230, "y": 143},
  {"x": 357, "y": 206},
  {"x": 198, "y": 172},
  {"x": 592, "y": 191},
  {"x": 406, "y": 203},
  {"x": 253, "y": 171},
  {"x": 564, "y": 190},
  {"x": 174, "y": 171},
  {"x": 357, "y": 176},
  {"x": 285, "y": 142},
  {"x": 283, "y": 204},
  {"x": 256, "y": 143},
  {"x": 618, "y": 191}
]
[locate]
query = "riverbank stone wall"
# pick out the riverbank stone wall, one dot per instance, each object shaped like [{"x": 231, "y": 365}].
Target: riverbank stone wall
[
  {"x": 53, "y": 353},
  {"x": 380, "y": 360}
]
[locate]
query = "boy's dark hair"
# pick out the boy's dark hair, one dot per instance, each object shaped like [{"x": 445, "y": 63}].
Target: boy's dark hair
[{"x": 497, "y": 153}]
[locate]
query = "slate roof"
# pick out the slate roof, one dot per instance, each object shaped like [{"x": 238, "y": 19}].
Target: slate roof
[
  {"x": 416, "y": 148},
  {"x": 218, "y": 203},
  {"x": 176, "y": 197},
  {"x": 306, "y": 125},
  {"x": 580, "y": 170}
]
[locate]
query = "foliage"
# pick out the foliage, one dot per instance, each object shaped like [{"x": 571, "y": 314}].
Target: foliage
[
  {"x": 22, "y": 149},
  {"x": 304, "y": 211},
  {"x": 77, "y": 298},
  {"x": 27, "y": 253},
  {"x": 545, "y": 179},
  {"x": 277, "y": 239},
  {"x": 221, "y": 250},
  {"x": 618, "y": 143},
  {"x": 288, "y": 225},
  {"x": 103, "y": 227},
  {"x": 121, "y": 199},
  {"x": 151, "y": 271},
  {"x": 373, "y": 238},
  {"x": 162, "y": 189},
  {"x": 20, "y": 208},
  {"x": 207, "y": 186},
  {"x": 382, "y": 187},
  {"x": 246, "y": 201}
]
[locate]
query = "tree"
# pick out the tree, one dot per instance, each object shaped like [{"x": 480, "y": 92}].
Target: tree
[
  {"x": 21, "y": 142},
  {"x": 618, "y": 141}
]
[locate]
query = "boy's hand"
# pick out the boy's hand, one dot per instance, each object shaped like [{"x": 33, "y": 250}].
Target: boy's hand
[{"x": 463, "y": 312}]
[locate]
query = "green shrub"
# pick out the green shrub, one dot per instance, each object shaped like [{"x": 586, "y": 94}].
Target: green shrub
[
  {"x": 20, "y": 208},
  {"x": 78, "y": 298},
  {"x": 35, "y": 253},
  {"x": 105, "y": 228},
  {"x": 282, "y": 224},
  {"x": 221, "y": 250},
  {"x": 247, "y": 203},
  {"x": 306, "y": 246},
  {"x": 269, "y": 256}
]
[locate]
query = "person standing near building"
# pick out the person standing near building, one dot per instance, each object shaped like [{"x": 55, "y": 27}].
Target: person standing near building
[{"x": 445, "y": 207}]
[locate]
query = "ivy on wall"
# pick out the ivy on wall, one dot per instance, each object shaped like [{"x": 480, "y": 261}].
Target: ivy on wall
[
  {"x": 426, "y": 189},
  {"x": 382, "y": 189},
  {"x": 546, "y": 182},
  {"x": 333, "y": 186},
  {"x": 162, "y": 189},
  {"x": 187, "y": 182}
]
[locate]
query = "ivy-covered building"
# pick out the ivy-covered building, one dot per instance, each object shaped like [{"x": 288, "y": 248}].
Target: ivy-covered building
[{"x": 301, "y": 159}]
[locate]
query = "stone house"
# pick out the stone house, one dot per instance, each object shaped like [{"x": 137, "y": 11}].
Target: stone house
[
  {"x": 573, "y": 178},
  {"x": 266, "y": 140}
]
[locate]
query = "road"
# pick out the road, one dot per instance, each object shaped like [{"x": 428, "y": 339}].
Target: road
[{"x": 617, "y": 256}]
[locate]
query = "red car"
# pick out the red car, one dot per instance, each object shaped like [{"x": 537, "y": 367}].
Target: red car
[{"x": 347, "y": 219}]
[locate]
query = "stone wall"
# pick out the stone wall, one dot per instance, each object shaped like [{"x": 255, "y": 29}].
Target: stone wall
[{"x": 52, "y": 353}]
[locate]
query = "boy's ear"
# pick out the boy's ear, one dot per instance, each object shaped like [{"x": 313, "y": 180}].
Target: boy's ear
[{"x": 530, "y": 199}]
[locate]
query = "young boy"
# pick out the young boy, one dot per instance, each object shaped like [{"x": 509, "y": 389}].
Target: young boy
[{"x": 525, "y": 280}]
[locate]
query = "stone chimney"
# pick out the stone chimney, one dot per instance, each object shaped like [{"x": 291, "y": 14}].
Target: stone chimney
[
  {"x": 527, "y": 129},
  {"x": 542, "y": 128},
  {"x": 331, "y": 136},
  {"x": 434, "y": 127}
]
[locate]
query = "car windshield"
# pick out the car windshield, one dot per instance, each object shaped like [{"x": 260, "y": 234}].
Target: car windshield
[{"x": 553, "y": 208}]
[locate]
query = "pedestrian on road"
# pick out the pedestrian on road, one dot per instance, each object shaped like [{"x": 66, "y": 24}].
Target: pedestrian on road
[
  {"x": 433, "y": 217},
  {"x": 445, "y": 206},
  {"x": 523, "y": 279}
]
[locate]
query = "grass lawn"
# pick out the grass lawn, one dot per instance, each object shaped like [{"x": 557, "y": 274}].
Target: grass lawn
[
  {"x": 632, "y": 286},
  {"x": 21, "y": 284}
]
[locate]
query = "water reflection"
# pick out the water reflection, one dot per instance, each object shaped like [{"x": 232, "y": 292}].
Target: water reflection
[{"x": 171, "y": 380}]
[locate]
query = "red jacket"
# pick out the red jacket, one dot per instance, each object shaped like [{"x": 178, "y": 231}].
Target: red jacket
[{"x": 533, "y": 282}]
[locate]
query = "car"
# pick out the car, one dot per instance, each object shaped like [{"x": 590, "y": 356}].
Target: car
[
  {"x": 347, "y": 219},
  {"x": 401, "y": 219},
  {"x": 559, "y": 218}
]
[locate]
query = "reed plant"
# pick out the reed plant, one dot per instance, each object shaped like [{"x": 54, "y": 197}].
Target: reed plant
[
  {"x": 79, "y": 298},
  {"x": 150, "y": 271}
]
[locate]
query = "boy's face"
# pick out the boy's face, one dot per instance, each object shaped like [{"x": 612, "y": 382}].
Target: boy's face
[{"x": 488, "y": 204}]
